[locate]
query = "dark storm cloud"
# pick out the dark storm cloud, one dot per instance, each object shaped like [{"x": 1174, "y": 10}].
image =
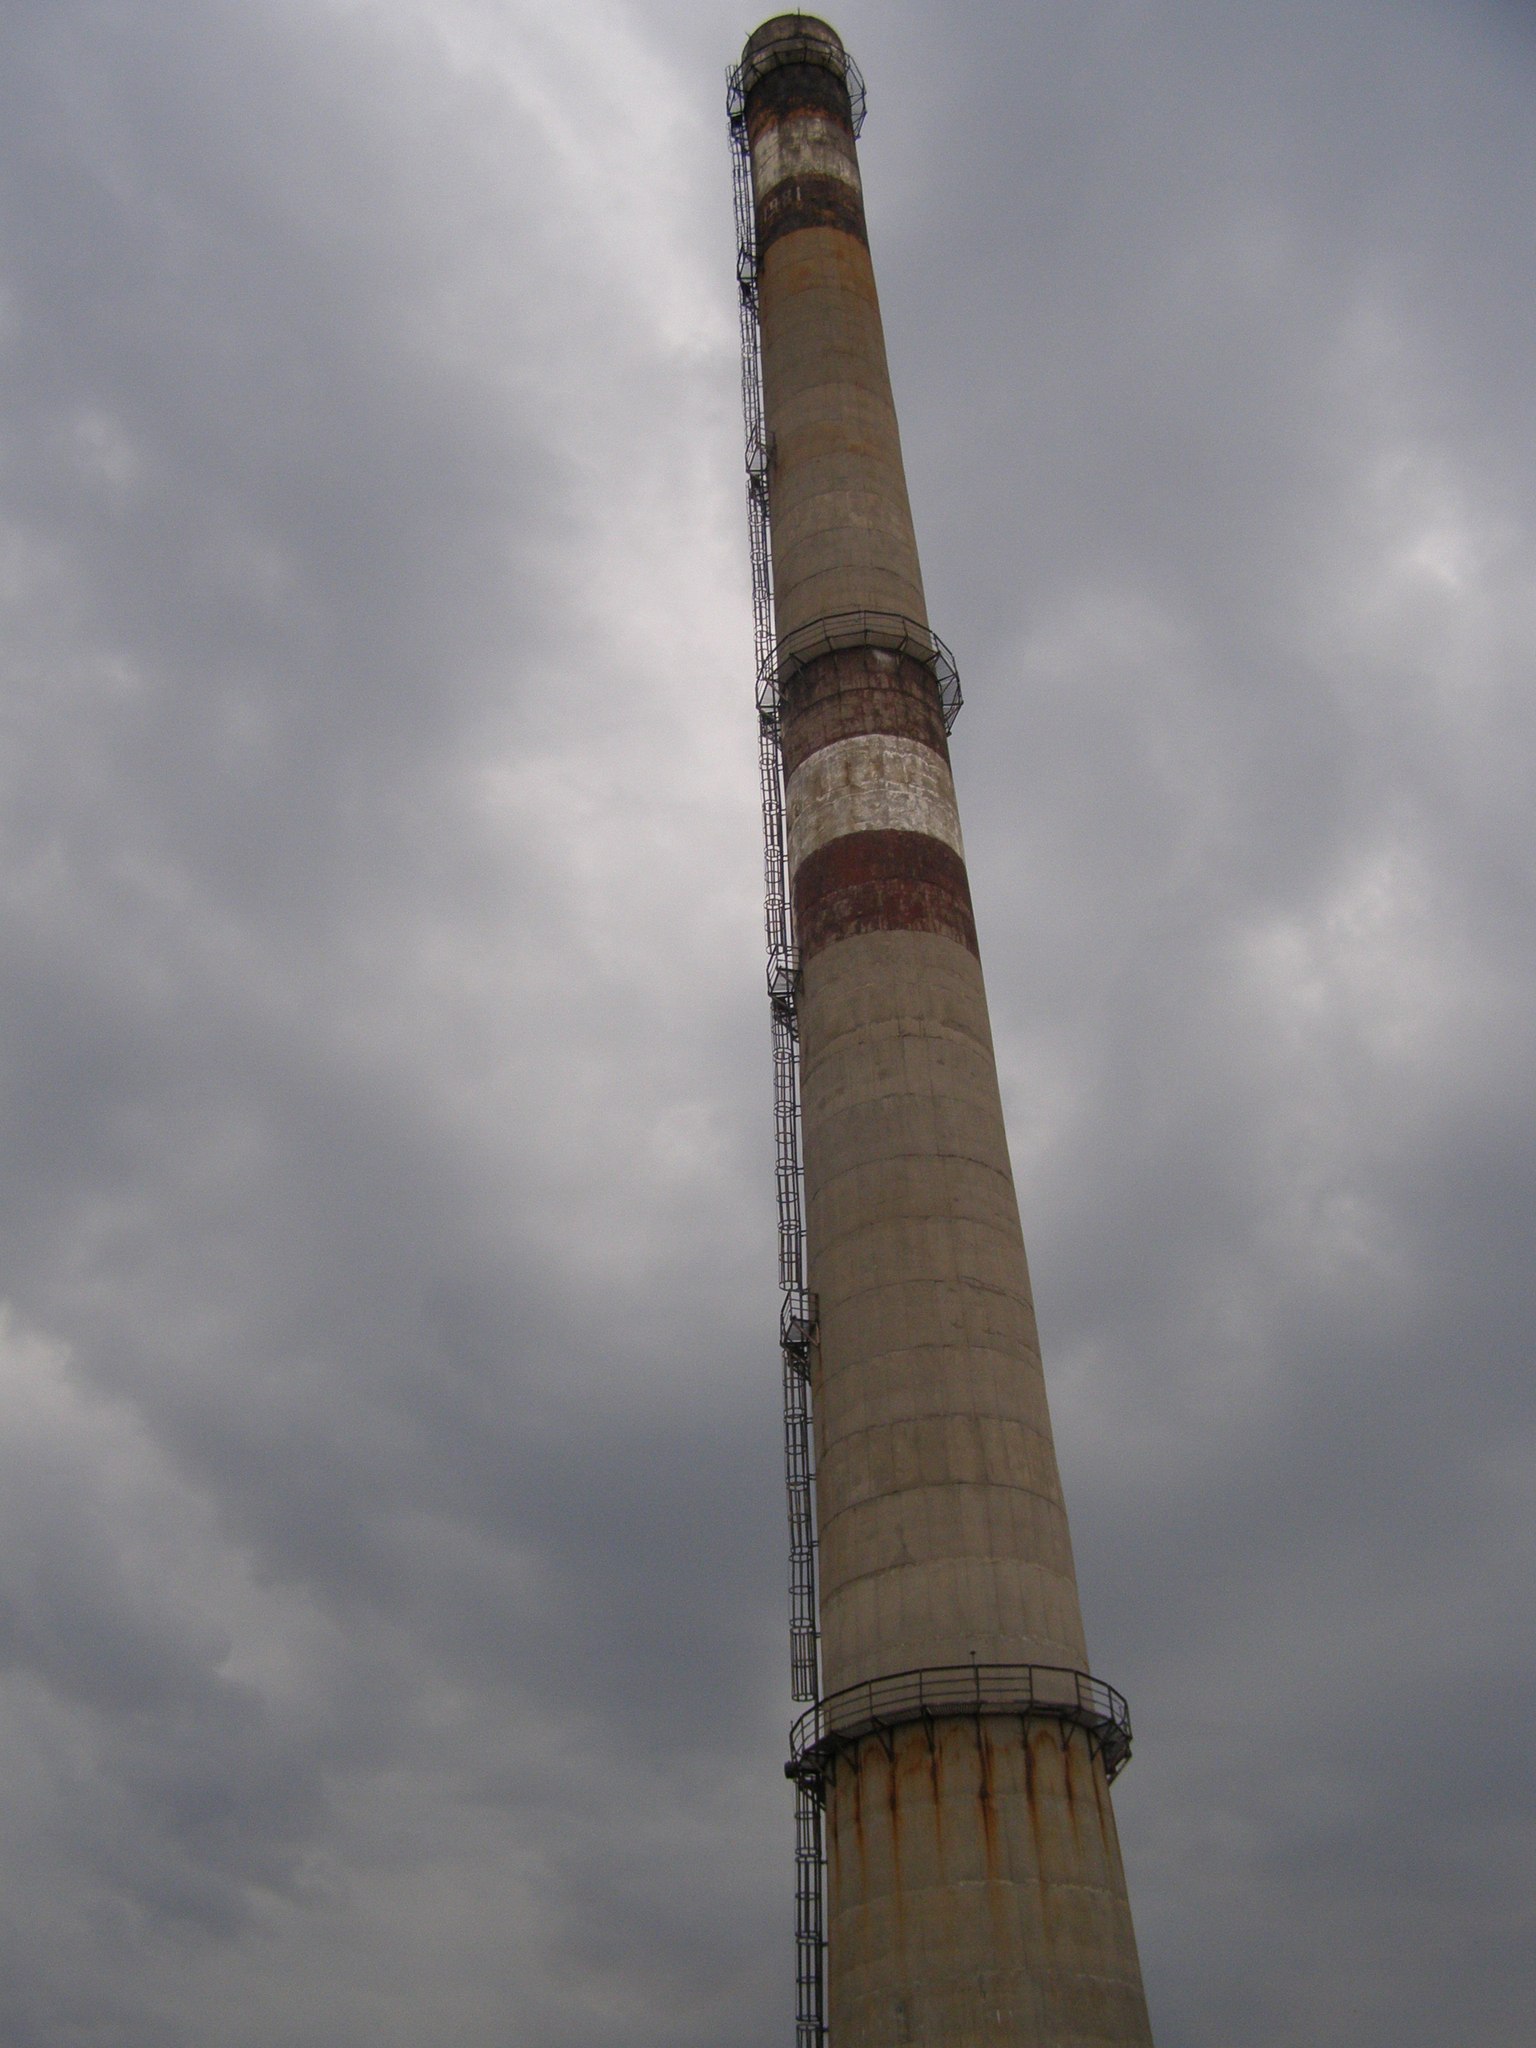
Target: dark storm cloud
[
  {"x": 1251, "y": 566},
  {"x": 390, "y": 1544},
  {"x": 373, "y": 1595}
]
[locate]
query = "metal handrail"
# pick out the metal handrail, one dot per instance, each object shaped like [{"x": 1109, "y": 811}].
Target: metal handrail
[
  {"x": 892, "y": 632},
  {"x": 952, "y": 1691},
  {"x": 796, "y": 48}
]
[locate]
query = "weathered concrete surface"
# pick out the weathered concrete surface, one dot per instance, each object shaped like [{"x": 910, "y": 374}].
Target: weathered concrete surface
[
  {"x": 976, "y": 1890},
  {"x": 976, "y": 1893},
  {"x": 842, "y": 527},
  {"x": 943, "y": 1531},
  {"x": 875, "y": 782}
]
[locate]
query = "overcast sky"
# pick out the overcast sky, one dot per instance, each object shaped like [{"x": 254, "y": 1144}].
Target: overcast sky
[{"x": 392, "y": 1620}]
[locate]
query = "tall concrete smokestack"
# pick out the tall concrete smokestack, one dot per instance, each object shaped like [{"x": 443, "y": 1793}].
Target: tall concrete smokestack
[{"x": 959, "y": 1751}]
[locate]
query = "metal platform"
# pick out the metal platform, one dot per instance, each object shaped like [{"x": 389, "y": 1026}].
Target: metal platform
[
  {"x": 1030, "y": 1692},
  {"x": 890, "y": 631}
]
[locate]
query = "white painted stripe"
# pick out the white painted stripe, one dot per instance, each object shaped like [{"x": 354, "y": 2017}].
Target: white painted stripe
[
  {"x": 874, "y": 783},
  {"x": 811, "y": 145}
]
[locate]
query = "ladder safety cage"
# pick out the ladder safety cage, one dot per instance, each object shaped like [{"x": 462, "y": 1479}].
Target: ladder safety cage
[{"x": 797, "y": 1318}]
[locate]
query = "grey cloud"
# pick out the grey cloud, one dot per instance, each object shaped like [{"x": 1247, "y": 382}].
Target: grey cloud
[{"x": 391, "y": 1574}]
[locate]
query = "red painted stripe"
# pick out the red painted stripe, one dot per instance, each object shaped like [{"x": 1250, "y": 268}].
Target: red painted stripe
[
  {"x": 790, "y": 89},
  {"x": 854, "y": 691},
  {"x": 809, "y": 202},
  {"x": 881, "y": 882}
]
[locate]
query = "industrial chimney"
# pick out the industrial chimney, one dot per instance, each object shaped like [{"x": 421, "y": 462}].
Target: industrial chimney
[{"x": 960, "y": 1879}]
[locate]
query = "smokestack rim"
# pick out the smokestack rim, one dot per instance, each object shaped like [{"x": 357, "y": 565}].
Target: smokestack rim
[{"x": 785, "y": 39}]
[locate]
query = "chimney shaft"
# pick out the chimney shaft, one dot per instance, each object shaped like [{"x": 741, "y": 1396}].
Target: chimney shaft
[{"x": 975, "y": 1889}]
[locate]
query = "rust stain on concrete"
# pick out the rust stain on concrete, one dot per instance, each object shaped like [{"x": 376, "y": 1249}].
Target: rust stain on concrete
[
  {"x": 1096, "y": 1778},
  {"x": 1031, "y": 1793},
  {"x": 858, "y": 1816},
  {"x": 877, "y": 1748},
  {"x": 985, "y": 1800},
  {"x": 1034, "y": 1793},
  {"x": 893, "y": 1805},
  {"x": 936, "y": 1788}
]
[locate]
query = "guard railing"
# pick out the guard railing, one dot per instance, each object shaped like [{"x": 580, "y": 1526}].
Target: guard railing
[{"x": 879, "y": 1706}]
